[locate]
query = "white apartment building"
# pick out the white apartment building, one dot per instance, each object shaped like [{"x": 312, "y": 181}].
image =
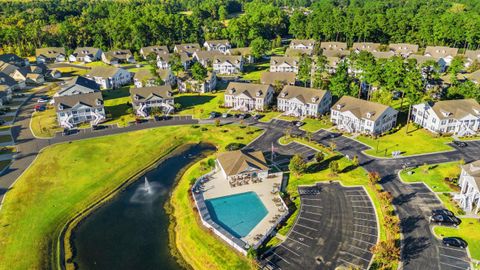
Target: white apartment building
[
  {"x": 459, "y": 117},
  {"x": 302, "y": 44},
  {"x": 360, "y": 116},
  {"x": 76, "y": 109},
  {"x": 248, "y": 96},
  {"x": 227, "y": 64},
  {"x": 109, "y": 77},
  {"x": 217, "y": 45},
  {"x": 146, "y": 98},
  {"x": 301, "y": 101},
  {"x": 284, "y": 64},
  {"x": 469, "y": 195}
]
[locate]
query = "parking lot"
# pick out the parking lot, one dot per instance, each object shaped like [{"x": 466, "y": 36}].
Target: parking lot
[{"x": 336, "y": 226}]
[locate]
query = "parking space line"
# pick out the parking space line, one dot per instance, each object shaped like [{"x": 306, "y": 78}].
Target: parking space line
[
  {"x": 313, "y": 229},
  {"x": 350, "y": 263},
  {"x": 311, "y": 199},
  {"x": 356, "y": 201},
  {"x": 278, "y": 257},
  {"x": 366, "y": 213},
  {"x": 454, "y": 266},
  {"x": 450, "y": 248},
  {"x": 313, "y": 213},
  {"x": 360, "y": 257},
  {"x": 285, "y": 247},
  {"x": 311, "y": 205},
  {"x": 356, "y": 195},
  {"x": 364, "y": 219},
  {"x": 371, "y": 227},
  {"x": 362, "y": 249},
  {"x": 363, "y": 241},
  {"x": 365, "y": 233},
  {"x": 453, "y": 257},
  {"x": 302, "y": 234},
  {"x": 309, "y": 219},
  {"x": 301, "y": 243},
  {"x": 363, "y": 207}
]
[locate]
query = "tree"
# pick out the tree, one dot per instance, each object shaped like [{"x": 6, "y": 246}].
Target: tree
[
  {"x": 340, "y": 81},
  {"x": 334, "y": 168},
  {"x": 304, "y": 69},
  {"x": 373, "y": 177},
  {"x": 332, "y": 145},
  {"x": 319, "y": 157},
  {"x": 386, "y": 252},
  {"x": 199, "y": 72},
  {"x": 355, "y": 161},
  {"x": 297, "y": 165},
  {"x": 260, "y": 47},
  {"x": 455, "y": 67},
  {"x": 175, "y": 63}
]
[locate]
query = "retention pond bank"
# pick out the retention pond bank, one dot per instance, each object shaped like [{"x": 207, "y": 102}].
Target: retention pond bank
[{"x": 131, "y": 230}]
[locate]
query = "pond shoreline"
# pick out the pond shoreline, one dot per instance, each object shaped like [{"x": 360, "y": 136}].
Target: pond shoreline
[{"x": 66, "y": 251}]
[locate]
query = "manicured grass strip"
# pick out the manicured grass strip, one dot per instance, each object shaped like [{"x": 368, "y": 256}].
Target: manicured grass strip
[
  {"x": 67, "y": 178},
  {"x": 199, "y": 247},
  {"x": 254, "y": 72},
  {"x": 434, "y": 176},
  {"x": 44, "y": 124},
  {"x": 200, "y": 105},
  {"x": 313, "y": 125},
  {"x": 417, "y": 141},
  {"x": 3, "y": 164},
  {"x": 5, "y": 138},
  {"x": 7, "y": 150},
  {"x": 268, "y": 116},
  {"x": 5, "y": 128},
  {"x": 468, "y": 230}
]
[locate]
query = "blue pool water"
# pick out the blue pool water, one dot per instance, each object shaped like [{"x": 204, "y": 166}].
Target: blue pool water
[{"x": 238, "y": 214}]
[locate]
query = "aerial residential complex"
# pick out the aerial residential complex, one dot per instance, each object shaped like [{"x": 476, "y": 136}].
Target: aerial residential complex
[
  {"x": 248, "y": 96},
  {"x": 301, "y": 101}
]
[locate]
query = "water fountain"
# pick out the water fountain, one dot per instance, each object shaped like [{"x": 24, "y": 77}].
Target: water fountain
[{"x": 147, "y": 186}]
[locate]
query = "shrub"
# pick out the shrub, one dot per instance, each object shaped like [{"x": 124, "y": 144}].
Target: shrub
[{"x": 234, "y": 146}]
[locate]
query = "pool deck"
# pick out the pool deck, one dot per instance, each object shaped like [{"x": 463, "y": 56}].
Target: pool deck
[{"x": 218, "y": 186}]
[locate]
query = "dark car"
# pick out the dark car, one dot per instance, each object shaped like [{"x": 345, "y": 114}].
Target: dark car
[
  {"x": 242, "y": 116},
  {"x": 454, "y": 242},
  {"x": 99, "y": 127},
  {"x": 157, "y": 118},
  {"x": 297, "y": 123},
  {"x": 257, "y": 116},
  {"x": 225, "y": 115},
  {"x": 139, "y": 121},
  {"x": 67, "y": 132},
  {"x": 39, "y": 108},
  {"x": 445, "y": 212},
  {"x": 213, "y": 115},
  {"x": 445, "y": 220},
  {"x": 460, "y": 143}
]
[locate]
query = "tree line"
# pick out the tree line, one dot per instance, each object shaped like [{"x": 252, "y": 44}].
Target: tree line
[{"x": 134, "y": 24}]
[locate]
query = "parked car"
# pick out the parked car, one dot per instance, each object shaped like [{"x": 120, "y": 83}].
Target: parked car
[
  {"x": 42, "y": 100},
  {"x": 454, "y": 242},
  {"x": 445, "y": 212},
  {"x": 460, "y": 143},
  {"x": 237, "y": 115},
  {"x": 298, "y": 123},
  {"x": 244, "y": 116},
  {"x": 98, "y": 127},
  {"x": 140, "y": 120},
  {"x": 39, "y": 108},
  {"x": 445, "y": 220},
  {"x": 67, "y": 132},
  {"x": 225, "y": 115},
  {"x": 213, "y": 115},
  {"x": 157, "y": 118},
  {"x": 257, "y": 116}
]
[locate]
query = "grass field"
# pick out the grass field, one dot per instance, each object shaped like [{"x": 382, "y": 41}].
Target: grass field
[
  {"x": 44, "y": 124},
  {"x": 117, "y": 105},
  {"x": 200, "y": 105},
  {"x": 311, "y": 124},
  {"x": 468, "y": 230},
  {"x": 434, "y": 175},
  {"x": 253, "y": 72},
  {"x": 417, "y": 141},
  {"x": 67, "y": 178}
]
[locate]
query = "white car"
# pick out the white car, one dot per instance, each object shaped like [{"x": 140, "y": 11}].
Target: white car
[{"x": 42, "y": 100}]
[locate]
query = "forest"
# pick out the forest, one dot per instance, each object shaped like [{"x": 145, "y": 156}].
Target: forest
[{"x": 26, "y": 25}]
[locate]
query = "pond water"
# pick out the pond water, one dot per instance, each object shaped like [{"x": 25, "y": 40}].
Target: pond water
[{"x": 131, "y": 230}]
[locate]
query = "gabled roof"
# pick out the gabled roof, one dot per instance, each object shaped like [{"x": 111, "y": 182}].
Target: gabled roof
[
  {"x": 298, "y": 52},
  {"x": 208, "y": 56},
  {"x": 218, "y": 42},
  {"x": 278, "y": 60},
  {"x": 403, "y": 48},
  {"x": 187, "y": 47},
  {"x": 144, "y": 74},
  {"x": 243, "y": 51},
  {"x": 50, "y": 52},
  {"x": 474, "y": 76},
  {"x": 84, "y": 51},
  {"x": 336, "y": 53},
  {"x": 5, "y": 79},
  {"x": 118, "y": 54},
  {"x": 11, "y": 58},
  {"x": 334, "y": 46},
  {"x": 440, "y": 51},
  {"x": 421, "y": 59},
  {"x": 306, "y": 42},
  {"x": 94, "y": 100},
  {"x": 360, "y": 108},
  {"x": 156, "y": 49},
  {"x": 304, "y": 94},
  {"x": 473, "y": 169},
  {"x": 456, "y": 109},
  {"x": 383, "y": 55},
  {"x": 252, "y": 90},
  {"x": 236, "y": 162},
  {"x": 273, "y": 77},
  {"x": 144, "y": 93},
  {"x": 232, "y": 59},
  {"x": 366, "y": 46},
  {"x": 104, "y": 72},
  {"x": 7, "y": 68},
  {"x": 472, "y": 55},
  {"x": 79, "y": 85}
]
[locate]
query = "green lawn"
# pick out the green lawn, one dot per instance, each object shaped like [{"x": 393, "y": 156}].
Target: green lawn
[
  {"x": 4, "y": 163},
  {"x": 434, "y": 176},
  {"x": 268, "y": 116},
  {"x": 44, "y": 124},
  {"x": 66, "y": 178},
  {"x": 7, "y": 150},
  {"x": 311, "y": 124},
  {"x": 200, "y": 105},
  {"x": 72, "y": 71},
  {"x": 468, "y": 230},
  {"x": 417, "y": 141},
  {"x": 280, "y": 51},
  {"x": 253, "y": 72},
  {"x": 5, "y": 128},
  {"x": 118, "y": 106}
]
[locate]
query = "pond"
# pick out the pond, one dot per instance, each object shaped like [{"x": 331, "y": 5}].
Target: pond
[{"x": 131, "y": 230}]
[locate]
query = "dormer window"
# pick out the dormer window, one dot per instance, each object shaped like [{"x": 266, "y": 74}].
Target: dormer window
[
  {"x": 98, "y": 102},
  {"x": 169, "y": 94},
  {"x": 259, "y": 93},
  {"x": 314, "y": 99},
  {"x": 60, "y": 107},
  {"x": 445, "y": 113},
  {"x": 232, "y": 90},
  {"x": 370, "y": 114},
  {"x": 339, "y": 106},
  {"x": 284, "y": 94},
  {"x": 136, "y": 97}
]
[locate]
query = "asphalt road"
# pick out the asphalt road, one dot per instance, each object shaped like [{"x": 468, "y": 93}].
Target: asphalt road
[{"x": 420, "y": 249}]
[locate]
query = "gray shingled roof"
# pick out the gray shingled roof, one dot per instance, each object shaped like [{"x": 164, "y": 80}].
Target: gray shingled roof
[
  {"x": 84, "y": 51},
  {"x": 103, "y": 72},
  {"x": 366, "y": 46},
  {"x": 456, "y": 109},
  {"x": 403, "y": 48},
  {"x": 79, "y": 84},
  {"x": 50, "y": 52},
  {"x": 277, "y": 60},
  {"x": 440, "y": 51},
  {"x": 360, "y": 108},
  {"x": 156, "y": 49},
  {"x": 335, "y": 46},
  {"x": 89, "y": 99},
  {"x": 304, "y": 94},
  {"x": 118, "y": 54},
  {"x": 252, "y": 90},
  {"x": 144, "y": 93},
  {"x": 273, "y": 77}
]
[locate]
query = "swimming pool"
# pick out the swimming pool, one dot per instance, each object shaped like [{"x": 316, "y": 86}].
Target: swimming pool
[{"x": 238, "y": 214}]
